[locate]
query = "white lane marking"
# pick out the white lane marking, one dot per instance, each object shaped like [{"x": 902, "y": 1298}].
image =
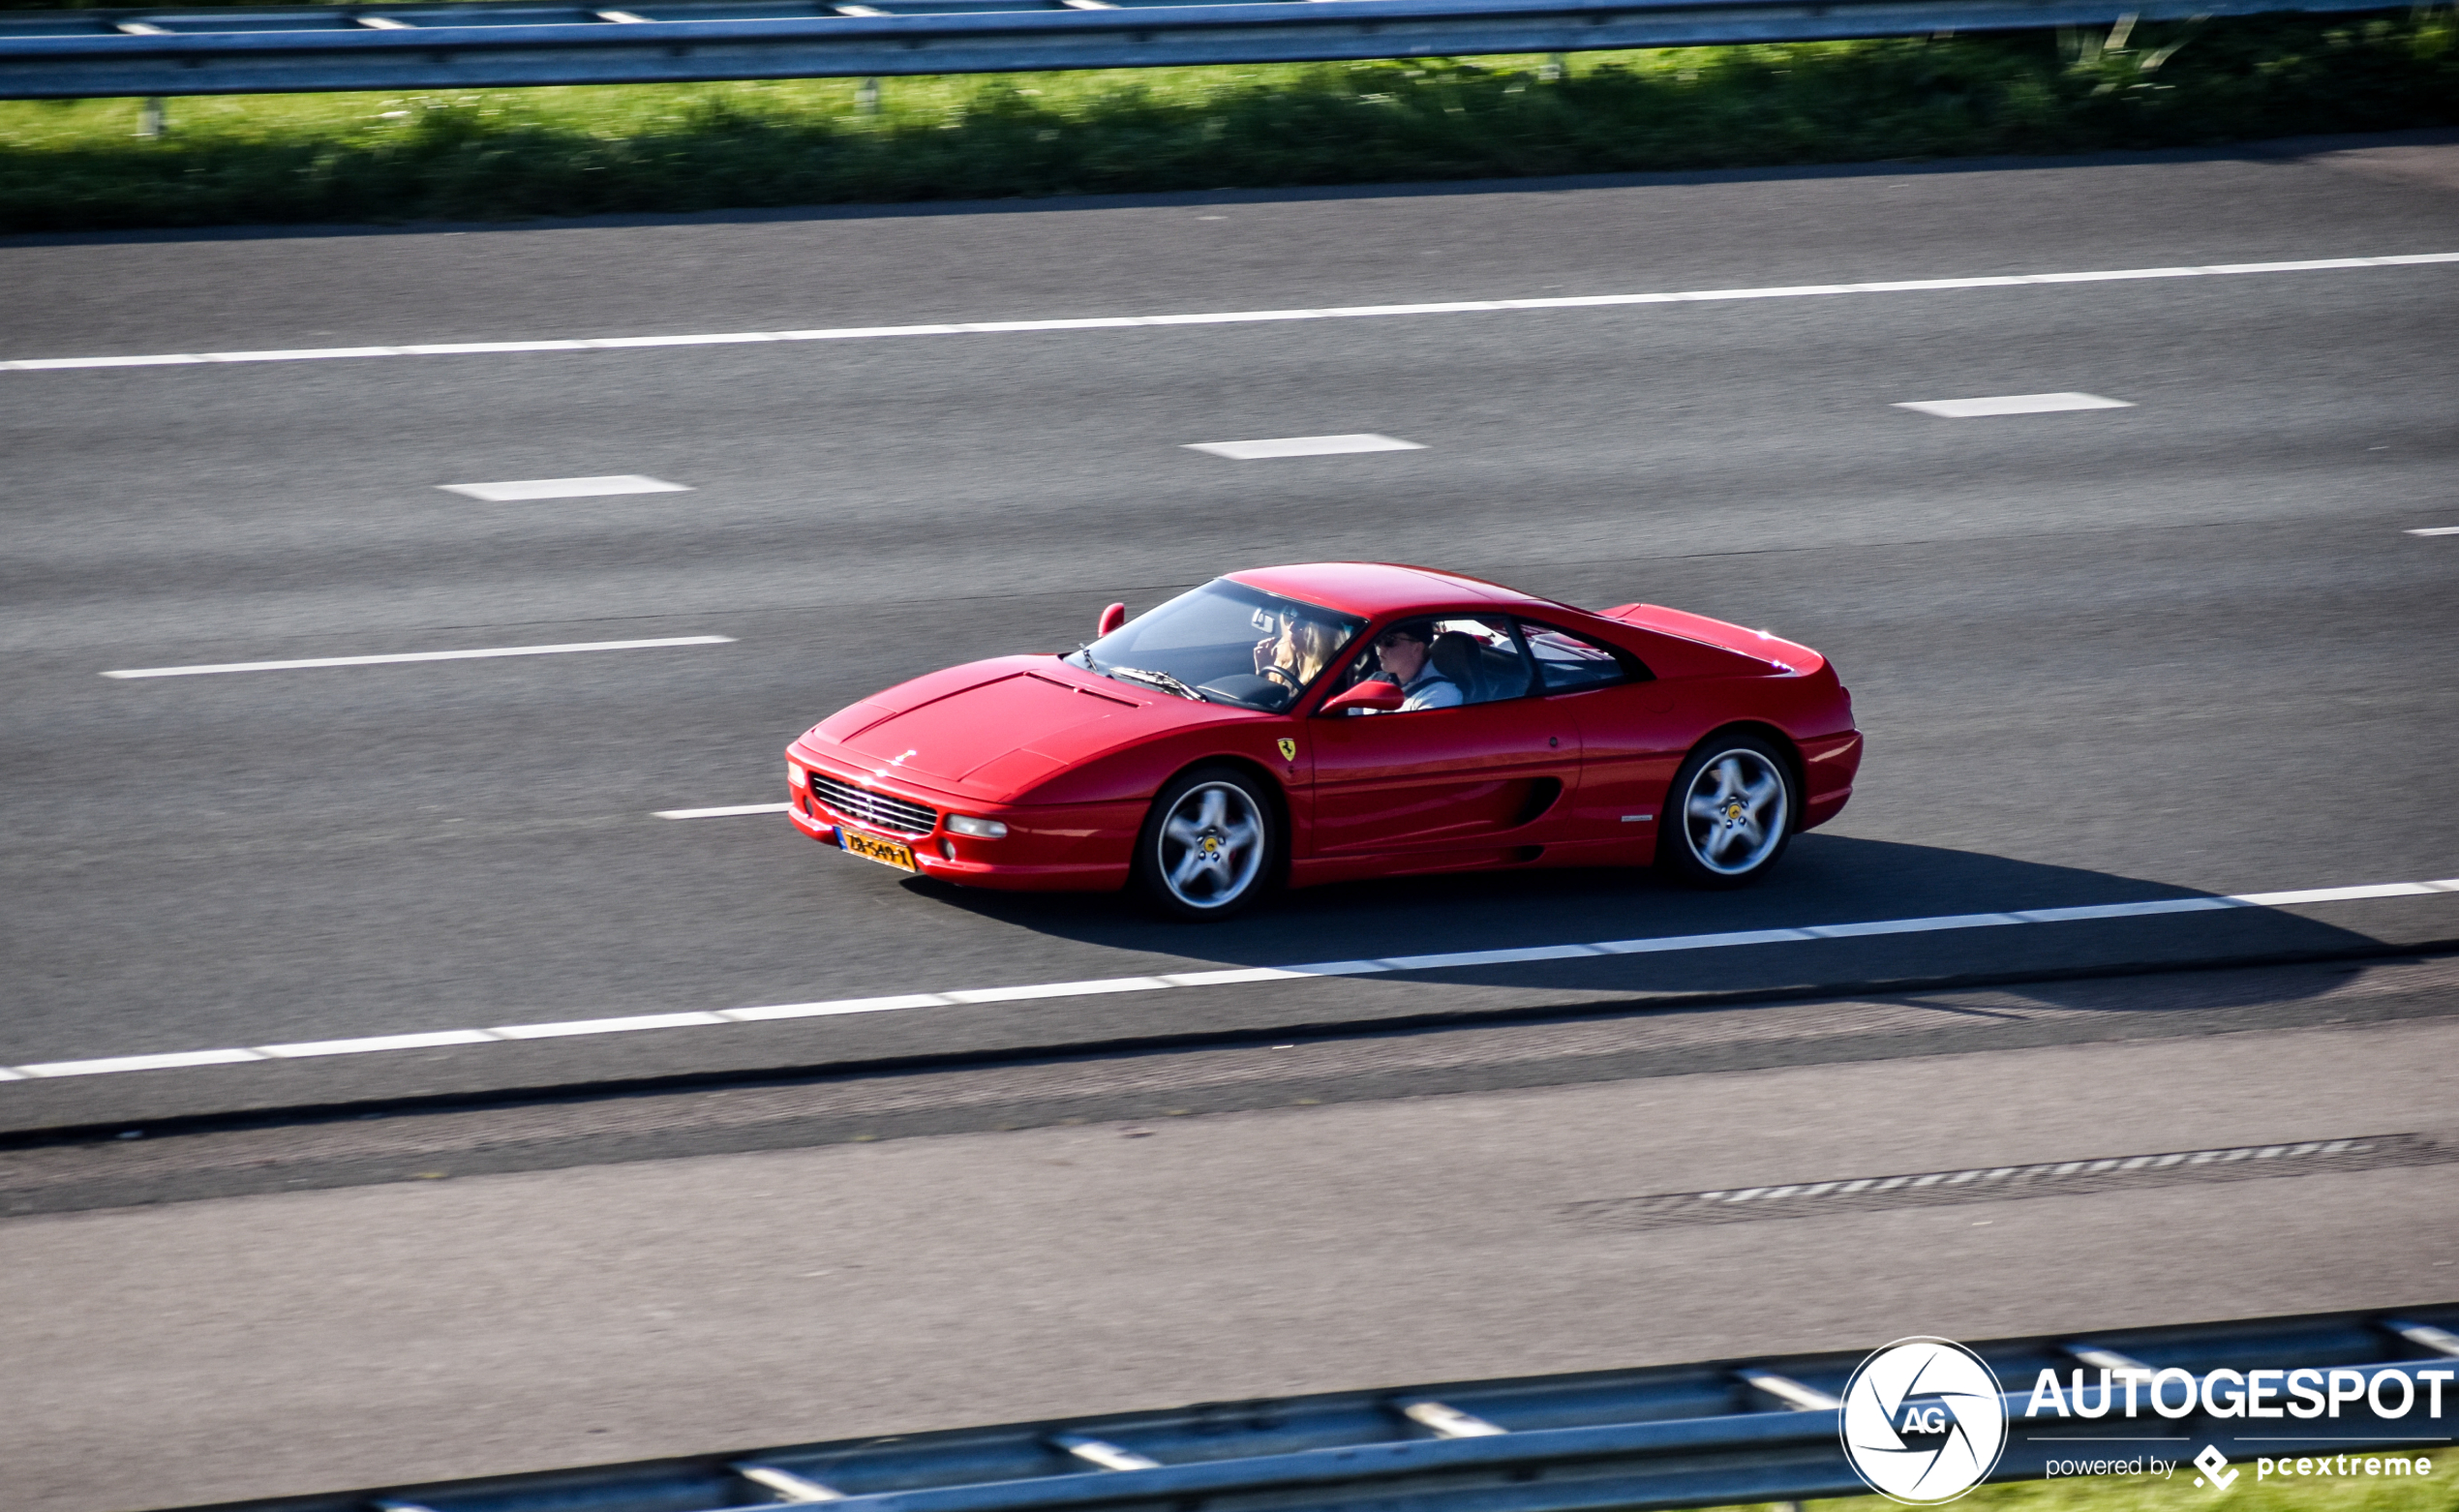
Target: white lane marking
[
  {"x": 565, "y": 488},
  {"x": 400, "y": 656},
  {"x": 626, "y": 1025},
  {"x": 2012, "y": 404},
  {"x": 2175, "y": 905},
  {"x": 721, "y": 813},
  {"x": 2437, "y": 530},
  {"x": 389, "y": 1042},
  {"x": 1115, "y": 322},
  {"x": 120, "y": 1063},
  {"x": 851, "y": 1005},
  {"x": 1453, "y": 958},
  {"x": 1303, "y": 447},
  {"x": 1702, "y": 941},
  {"x": 2346, "y": 895},
  {"x": 1910, "y": 925},
  {"x": 1048, "y": 989},
  {"x": 1229, "y": 977}
]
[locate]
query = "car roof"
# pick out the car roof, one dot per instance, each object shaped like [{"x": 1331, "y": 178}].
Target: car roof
[{"x": 1374, "y": 588}]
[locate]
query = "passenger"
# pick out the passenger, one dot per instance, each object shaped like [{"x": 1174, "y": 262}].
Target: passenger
[
  {"x": 1402, "y": 650},
  {"x": 1299, "y": 654}
]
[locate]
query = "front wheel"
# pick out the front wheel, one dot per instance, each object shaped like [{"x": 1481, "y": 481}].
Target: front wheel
[
  {"x": 1728, "y": 815},
  {"x": 1206, "y": 849}
]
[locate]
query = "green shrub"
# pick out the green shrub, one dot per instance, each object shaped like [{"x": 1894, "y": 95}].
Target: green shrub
[{"x": 515, "y": 153}]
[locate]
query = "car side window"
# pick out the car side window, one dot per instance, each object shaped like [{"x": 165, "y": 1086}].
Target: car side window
[
  {"x": 1482, "y": 657},
  {"x": 1566, "y": 663},
  {"x": 1443, "y": 661}
]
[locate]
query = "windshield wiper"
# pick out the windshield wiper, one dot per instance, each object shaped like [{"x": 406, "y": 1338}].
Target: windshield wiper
[{"x": 1158, "y": 679}]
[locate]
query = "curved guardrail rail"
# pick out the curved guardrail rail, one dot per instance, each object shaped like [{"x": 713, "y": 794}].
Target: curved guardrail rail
[
  {"x": 1736, "y": 1431},
  {"x": 88, "y": 53}
]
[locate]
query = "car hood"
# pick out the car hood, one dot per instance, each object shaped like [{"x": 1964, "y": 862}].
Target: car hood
[{"x": 998, "y": 727}]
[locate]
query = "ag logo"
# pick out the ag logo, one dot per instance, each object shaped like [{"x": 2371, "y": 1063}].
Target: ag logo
[
  {"x": 1922, "y": 1421},
  {"x": 1288, "y": 749}
]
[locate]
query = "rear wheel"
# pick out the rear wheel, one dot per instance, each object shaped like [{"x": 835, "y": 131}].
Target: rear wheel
[
  {"x": 1208, "y": 847},
  {"x": 1729, "y": 813}
]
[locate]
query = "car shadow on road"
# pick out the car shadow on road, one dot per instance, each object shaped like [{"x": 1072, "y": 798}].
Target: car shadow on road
[{"x": 1825, "y": 879}]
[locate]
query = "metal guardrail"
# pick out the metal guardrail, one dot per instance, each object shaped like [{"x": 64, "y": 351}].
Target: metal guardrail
[
  {"x": 88, "y": 53},
  {"x": 1672, "y": 1436}
]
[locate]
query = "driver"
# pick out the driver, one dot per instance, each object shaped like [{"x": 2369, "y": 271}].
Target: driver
[{"x": 1402, "y": 650}]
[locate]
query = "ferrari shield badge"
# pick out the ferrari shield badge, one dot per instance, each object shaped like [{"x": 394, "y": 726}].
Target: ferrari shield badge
[{"x": 1288, "y": 749}]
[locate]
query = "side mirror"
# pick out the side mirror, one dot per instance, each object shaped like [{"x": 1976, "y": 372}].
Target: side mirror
[
  {"x": 1112, "y": 619},
  {"x": 1367, "y": 698}
]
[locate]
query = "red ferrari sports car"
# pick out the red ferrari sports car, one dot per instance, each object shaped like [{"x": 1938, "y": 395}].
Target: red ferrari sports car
[{"x": 1336, "y": 720}]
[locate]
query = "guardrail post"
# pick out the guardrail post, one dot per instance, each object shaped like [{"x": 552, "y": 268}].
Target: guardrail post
[
  {"x": 866, "y": 97},
  {"x": 150, "y": 121}
]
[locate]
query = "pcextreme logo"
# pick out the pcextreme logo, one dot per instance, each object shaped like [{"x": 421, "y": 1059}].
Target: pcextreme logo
[
  {"x": 1922, "y": 1421},
  {"x": 2211, "y": 1462}
]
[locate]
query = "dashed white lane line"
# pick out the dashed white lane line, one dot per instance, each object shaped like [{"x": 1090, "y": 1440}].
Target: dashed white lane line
[
  {"x": 2437, "y": 530},
  {"x": 563, "y": 488},
  {"x": 1303, "y": 447},
  {"x": 721, "y": 813},
  {"x": 1229, "y": 977},
  {"x": 402, "y": 656},
  {"x": 1920, "y": 286},
  {"x": 2012, "y": 404}
]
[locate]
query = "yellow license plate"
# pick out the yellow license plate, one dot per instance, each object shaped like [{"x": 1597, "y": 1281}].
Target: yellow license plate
[{"x": 887, "y": 853}]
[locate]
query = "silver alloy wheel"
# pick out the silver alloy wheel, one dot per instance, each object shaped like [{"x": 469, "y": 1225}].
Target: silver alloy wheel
[
  {"x": 1736, "y": 812},
  {"x": 1212, "y": 845}
]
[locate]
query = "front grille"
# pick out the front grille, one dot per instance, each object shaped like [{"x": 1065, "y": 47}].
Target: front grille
[{"x": 876, "y": 809}]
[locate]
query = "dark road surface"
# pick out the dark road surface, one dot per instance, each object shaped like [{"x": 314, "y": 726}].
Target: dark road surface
[
  {"x": 2103, "y": 655},
  {"x": 2191, "y": 647}
]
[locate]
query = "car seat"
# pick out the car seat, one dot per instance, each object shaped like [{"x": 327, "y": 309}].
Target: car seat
[{"x": 1454, "y": 654}]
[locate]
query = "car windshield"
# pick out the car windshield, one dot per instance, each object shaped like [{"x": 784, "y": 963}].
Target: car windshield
[{"x": 1225, "y": 643}]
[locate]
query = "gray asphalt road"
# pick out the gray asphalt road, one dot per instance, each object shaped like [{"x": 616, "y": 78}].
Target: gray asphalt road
[
  {"x": 381, "y": 1334},
  {"x": 2180, "y": 648},
  {"x": 296, "y": 1151}
]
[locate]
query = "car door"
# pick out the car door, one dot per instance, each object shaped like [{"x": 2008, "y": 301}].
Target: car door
[
  {"x": 1631, "y": 733},
  {"x": 1492, "y": 770}
]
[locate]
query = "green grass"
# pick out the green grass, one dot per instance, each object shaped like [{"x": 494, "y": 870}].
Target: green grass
[
  {"x": 80, "y": 164},
  {"x": 2144, "y": 1494}
]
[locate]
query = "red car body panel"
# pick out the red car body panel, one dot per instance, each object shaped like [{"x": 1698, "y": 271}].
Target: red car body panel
[{"x": 1070, "y": 760}]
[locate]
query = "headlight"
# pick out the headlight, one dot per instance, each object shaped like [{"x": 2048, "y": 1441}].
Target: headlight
[
  {"x": 793, "y": 775},
  {"x": 987, "y": 828}
]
